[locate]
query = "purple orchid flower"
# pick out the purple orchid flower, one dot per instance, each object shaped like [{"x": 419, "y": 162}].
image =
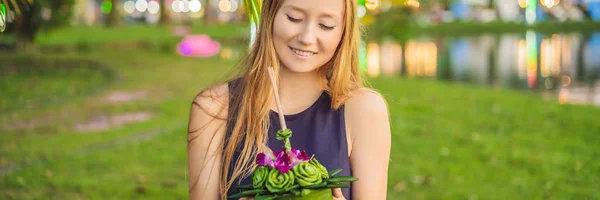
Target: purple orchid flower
[
  {"x": 281, "y": 160},
  {"x": 300, "y": 155},
  {"x": 266, "y": 158},
  {"x": 262, "y": 159}
]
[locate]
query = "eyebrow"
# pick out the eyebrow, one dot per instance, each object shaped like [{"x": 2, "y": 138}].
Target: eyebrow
[{"x": 326, "y": 14}]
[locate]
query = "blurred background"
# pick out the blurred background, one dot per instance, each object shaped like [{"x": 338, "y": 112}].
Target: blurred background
[{"x": 489, "y": 99}]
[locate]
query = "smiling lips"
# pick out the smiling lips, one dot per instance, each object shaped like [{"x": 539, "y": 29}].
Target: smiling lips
[{"x": 302, "y": 52}]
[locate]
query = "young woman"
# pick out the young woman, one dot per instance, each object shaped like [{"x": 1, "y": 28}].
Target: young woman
[{"x": 313, "y": 47}]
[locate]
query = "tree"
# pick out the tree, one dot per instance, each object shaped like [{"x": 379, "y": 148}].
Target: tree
[
  {"x": 26, "y": 26},
  {"x": 28, "y": 20},
  {"x": 114, "y": 19},
  {"x": 164, "y": 19},
  {"x": 208, "y": 17}
]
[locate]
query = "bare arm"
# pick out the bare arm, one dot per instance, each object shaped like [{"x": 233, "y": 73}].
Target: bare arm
[
  {"x": 368, "y": 126},
  {"x": 206, "y": 130}
]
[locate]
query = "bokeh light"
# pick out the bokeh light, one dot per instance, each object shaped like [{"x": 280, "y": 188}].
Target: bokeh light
[
  {"x": 421, "y": 58},
  {"x": 129, "y": 7},
  {"x": 195, "y": 6},
  {"x": 522, "y": 3},
  {"x": 413, "y": 3},
  {"x": 153, "y": 7},
  {"x": 197, "y": 15},
  {"x": 549, "y": 3},
  {"x": 177, "y": 6},
  {"x": 373, "y": 59},
  {"x": 234, "y": 6},
  {"x": 530, "y": 12},
  {"x": 532, "y": 58},
  {"x": 372, "y": 4},
  {"x": 225, "y": 5},
  {"x": 185, "y": 6},
  {"x": 226, "y": 54},
  {"x": 361, "y": 11},
  {"x": 141, "y": 5}
]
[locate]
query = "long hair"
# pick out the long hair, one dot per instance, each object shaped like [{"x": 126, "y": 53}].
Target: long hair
[{"x": 248, "y": 117}]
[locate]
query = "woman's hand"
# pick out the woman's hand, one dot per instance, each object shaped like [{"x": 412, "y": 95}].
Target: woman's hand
[
  {"x": 246, "y": 198},
  {"x": 337, "y": 194}
]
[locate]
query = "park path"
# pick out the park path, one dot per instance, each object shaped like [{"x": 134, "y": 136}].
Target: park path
[{"x": 96, "y": 124}]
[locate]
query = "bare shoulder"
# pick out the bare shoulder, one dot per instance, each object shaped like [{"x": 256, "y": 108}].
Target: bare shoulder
[
  {"x": 366, "y": 101},
  {"x": 208, "y": 106},
  {"x": 365, "y": 114},
  {"x": 213, "y": 100}
]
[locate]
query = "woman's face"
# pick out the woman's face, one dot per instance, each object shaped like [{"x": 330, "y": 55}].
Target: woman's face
[{"x": 306, "y": 33}]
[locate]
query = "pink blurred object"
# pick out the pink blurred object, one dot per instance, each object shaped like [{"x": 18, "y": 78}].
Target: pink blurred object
[{"x": 198, "y": 46}]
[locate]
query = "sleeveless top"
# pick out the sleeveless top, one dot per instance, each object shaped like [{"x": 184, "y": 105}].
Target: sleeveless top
[{"x": 318, "y": 130}]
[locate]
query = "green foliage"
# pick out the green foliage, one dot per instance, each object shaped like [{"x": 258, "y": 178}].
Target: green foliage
[
  {"x": 284, "y": 134},
  {"x": 337, "y": 179},
  {"x": 29, "y": 21},
  {"x": 259, "y": 177},
  {"x": 334, "y": 172},
  {"x": 307, "y": 174},
  {"x": 277, "y": 182},
  {"x": 322, "y": 170},
  {"x": 396, "y": 22},
  {"x": 248, "y": 193},
  {"x": 61, "y": 12}
]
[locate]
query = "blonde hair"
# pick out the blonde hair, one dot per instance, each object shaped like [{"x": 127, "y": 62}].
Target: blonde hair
[{"x": 249, "y": 115}]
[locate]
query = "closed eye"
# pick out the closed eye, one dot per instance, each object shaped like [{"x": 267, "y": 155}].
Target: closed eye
[
  {"x": 324, "y": 27},
  {"x": 293, "y": 19}
]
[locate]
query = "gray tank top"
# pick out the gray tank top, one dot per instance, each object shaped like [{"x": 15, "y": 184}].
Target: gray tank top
[{"x": 318, "y": 130}]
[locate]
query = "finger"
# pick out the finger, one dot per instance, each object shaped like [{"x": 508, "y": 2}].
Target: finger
[{"x": 337, "y": 193}]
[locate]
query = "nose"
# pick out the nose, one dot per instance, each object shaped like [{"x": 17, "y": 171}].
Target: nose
[{"x": 307, "y": 36}]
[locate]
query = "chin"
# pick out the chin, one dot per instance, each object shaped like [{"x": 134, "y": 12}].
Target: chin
[{"x": 299, "y": 68}]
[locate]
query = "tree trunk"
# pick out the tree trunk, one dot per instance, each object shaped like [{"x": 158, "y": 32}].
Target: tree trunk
[
  {"x": 113, "y": 18},
  {"x": 208, "y": 17},
  {"x": 164, "y": 19},
  {"x": 26, "y": 27}
]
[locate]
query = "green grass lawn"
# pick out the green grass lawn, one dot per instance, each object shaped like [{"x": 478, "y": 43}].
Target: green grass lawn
[
  {"x": 61, "y": 163},
  {"x": 453, "y": 141},
  {"x": 450, "y": 141},
  {"x": 22, "y": 76}
]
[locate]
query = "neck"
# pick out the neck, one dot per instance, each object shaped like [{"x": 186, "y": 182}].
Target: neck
[{"x": 297, "y": 91}]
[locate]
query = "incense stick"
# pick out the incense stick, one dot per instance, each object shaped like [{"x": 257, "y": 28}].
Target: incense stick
[{"x": 277, "y": 101}]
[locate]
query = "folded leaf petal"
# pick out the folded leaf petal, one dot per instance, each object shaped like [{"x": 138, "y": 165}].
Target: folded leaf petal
[{"x": 263, "y": 160}]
